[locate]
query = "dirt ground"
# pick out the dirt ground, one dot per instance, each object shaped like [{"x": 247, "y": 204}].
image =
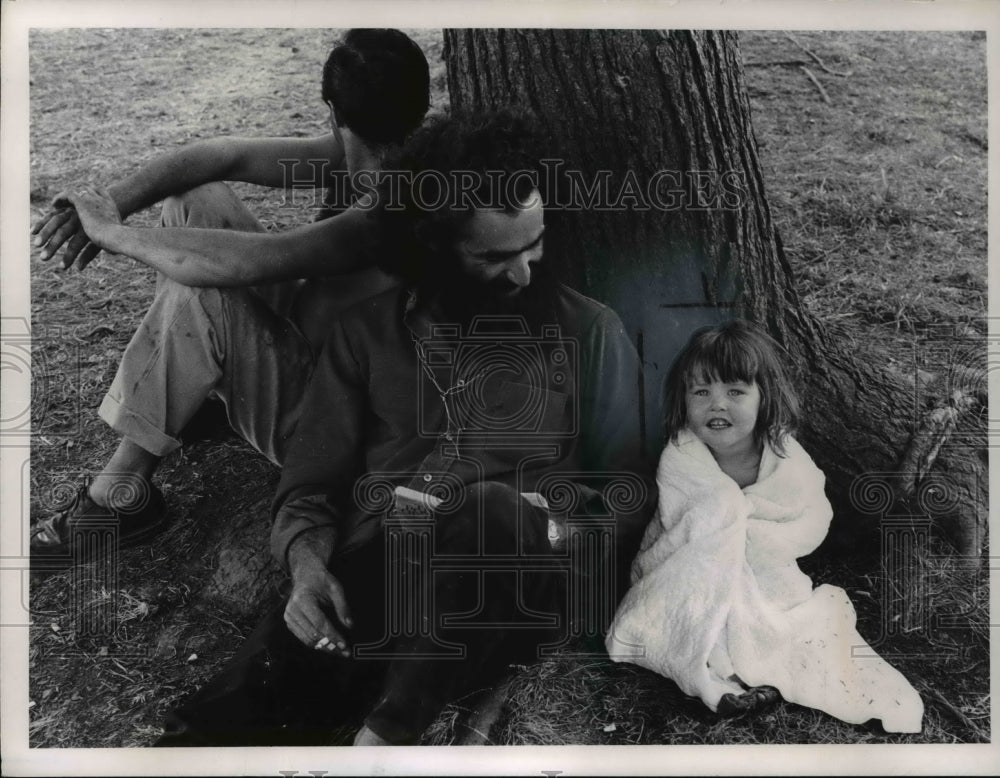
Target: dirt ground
[{"x": 877, "y": 180}]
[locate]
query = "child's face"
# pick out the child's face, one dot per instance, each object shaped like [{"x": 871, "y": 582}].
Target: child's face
[{"x": 723, "y": 415}]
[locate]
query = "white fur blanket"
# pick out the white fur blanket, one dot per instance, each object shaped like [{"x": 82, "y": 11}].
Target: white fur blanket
[{"x": 717, "y": 591}]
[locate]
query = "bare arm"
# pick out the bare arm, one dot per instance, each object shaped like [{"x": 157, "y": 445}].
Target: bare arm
[
  {"x": 263, "y": 161},
  {"x": 220, "y": 258},
  {"x": 274, "y": 162}
]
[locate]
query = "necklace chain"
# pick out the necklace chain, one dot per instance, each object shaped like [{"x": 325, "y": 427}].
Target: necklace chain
[{"x": 453, "y": 429}]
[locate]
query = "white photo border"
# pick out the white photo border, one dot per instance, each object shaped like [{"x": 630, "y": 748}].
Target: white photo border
[{"x": 21, "y": 15}]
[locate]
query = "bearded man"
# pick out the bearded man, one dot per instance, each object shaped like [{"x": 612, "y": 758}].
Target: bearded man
[{"x": 414, "y": 515}]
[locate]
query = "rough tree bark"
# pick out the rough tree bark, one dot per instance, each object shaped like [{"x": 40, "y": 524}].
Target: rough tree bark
[{"x": 634, "y": 102}]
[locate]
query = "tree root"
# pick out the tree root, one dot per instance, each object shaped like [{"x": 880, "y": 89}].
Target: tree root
[{"x": 926, "y": 443}]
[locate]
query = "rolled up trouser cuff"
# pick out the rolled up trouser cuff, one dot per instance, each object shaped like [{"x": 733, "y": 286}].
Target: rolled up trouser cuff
[{"x": 130, "y": 425}]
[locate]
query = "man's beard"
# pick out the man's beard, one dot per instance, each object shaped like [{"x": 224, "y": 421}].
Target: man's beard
[{"x": 462, "y": 298}]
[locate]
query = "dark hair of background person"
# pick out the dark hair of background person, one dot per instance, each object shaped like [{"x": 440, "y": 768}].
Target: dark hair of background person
[{"x": 378, "y": 83}]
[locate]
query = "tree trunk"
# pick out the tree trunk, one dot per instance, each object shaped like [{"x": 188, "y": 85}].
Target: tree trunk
[{"x": 685, "y": 238}]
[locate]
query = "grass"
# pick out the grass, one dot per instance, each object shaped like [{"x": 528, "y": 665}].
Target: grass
[
  {"x": 880, "y": 199},
  {"x": 880, "y": 194},
  {"x": 938, "y": 599}
]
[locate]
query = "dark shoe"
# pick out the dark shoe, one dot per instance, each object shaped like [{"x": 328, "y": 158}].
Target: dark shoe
[
  {"x": 75, "y": 534},
  {"x": 751, "y": 701},
  {"x": 210, "y": 422},
  {"x": 765, "y": 696}
]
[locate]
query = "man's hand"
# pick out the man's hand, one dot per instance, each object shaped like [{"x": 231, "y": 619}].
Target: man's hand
[
  {"x": 316, "y": 594},
  {"x": 77, "y": 220}
]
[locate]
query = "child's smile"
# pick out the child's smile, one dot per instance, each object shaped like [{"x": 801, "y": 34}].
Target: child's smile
[{"x": 723, "y": 415}]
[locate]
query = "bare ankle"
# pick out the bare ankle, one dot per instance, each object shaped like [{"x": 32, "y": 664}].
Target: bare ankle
[
  {"x": 118, "y": 490},
  {"x": 98, "y": 490}
]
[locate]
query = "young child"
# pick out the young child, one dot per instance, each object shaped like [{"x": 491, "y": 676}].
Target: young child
[{"x": 718, "y": 603}]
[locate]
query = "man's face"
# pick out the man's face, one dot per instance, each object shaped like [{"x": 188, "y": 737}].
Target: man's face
[{"x": 497, "y": 250}]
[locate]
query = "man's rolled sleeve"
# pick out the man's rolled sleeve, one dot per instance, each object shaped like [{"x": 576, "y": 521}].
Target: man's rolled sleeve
[{"x": 299, "y": 516}]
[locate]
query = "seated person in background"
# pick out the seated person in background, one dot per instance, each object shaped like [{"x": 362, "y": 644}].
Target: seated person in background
[
  {"x": 470, "y": 392},
  {"x": 718, "y": 603},
  {"x": 207, "y": 334}
]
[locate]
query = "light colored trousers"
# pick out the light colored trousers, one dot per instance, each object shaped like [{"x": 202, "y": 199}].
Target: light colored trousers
[{"x": 239, "y": 345}]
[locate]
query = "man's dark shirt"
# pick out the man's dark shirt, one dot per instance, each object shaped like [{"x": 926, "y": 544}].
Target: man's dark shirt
[{"x": 519, "y": 406}]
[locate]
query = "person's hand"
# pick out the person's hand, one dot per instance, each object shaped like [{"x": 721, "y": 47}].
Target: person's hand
[
  {"x": 76, "y": 219},
  {"x": 316, "y": 595}
]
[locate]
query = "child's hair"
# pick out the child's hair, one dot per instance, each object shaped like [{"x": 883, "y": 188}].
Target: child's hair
[{"x": 735, "y": 351}]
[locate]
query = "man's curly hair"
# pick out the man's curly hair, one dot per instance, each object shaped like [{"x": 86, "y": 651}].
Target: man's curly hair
[{"x": 447, "y": 169}]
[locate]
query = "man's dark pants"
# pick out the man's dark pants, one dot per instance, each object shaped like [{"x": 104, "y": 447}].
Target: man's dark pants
[{"x": 276, "y": 691}]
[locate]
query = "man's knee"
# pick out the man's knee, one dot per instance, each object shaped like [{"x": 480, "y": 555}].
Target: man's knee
[
  {"x": 173, "y": 295},
  {"x": 495, "y": 502},
  {"x": 213, "y": 205},
  {"x": 498, "y": 520},
  {"x": 187, "y": 312}
]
